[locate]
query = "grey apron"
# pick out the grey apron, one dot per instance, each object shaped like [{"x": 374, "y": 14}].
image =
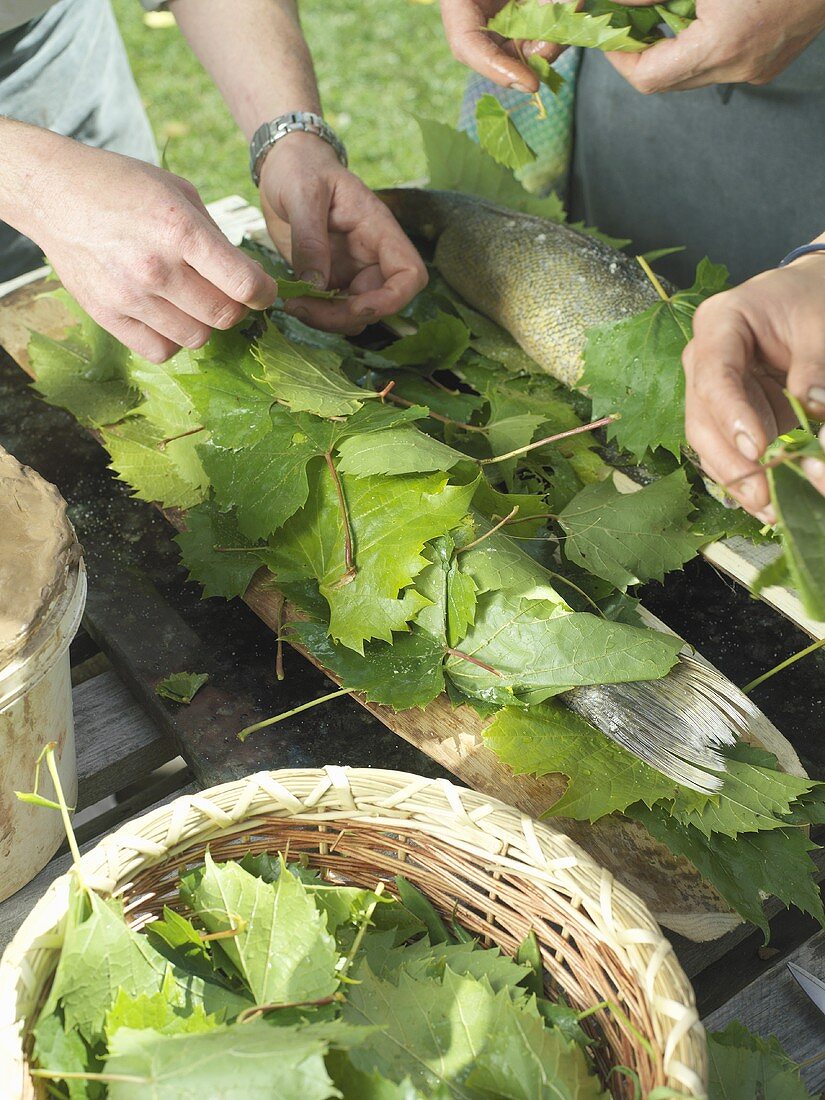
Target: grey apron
[
  {"x": 67, "y": 71},
  {"x": 735, "y": 172}
]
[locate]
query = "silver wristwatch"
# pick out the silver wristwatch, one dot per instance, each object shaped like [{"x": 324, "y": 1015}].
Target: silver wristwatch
[{"x": 267, "y": 135}]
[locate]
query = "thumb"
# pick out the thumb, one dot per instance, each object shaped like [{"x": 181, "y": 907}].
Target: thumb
[
  {"x": 667, "y": 63},
  {"x": 308, "y": 216}
]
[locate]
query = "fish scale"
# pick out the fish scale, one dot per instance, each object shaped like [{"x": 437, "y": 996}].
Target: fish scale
[
  {"x": 546, "y": 284},
  {"x": 562, "y": 283}
]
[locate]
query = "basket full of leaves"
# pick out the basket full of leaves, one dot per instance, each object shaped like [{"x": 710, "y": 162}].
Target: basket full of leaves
[{"x": 343, "y": 933}]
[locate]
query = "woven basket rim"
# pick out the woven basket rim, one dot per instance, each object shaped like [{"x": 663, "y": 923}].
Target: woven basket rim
[{"x": 499, "y": 837}]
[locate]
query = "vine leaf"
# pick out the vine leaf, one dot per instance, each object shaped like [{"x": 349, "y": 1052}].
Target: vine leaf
[
  {"x": 307, "y": 379},
  {"x": 222, "y": 572},
  {"x": 170, "y": 473},
  {"x": 498, "y": 135},
  {"x": 86, "y": 373},
  {"x": 563, "y": 23},
  {"x": 271, "y": 921},
  {"x": 800, "y": 509},
  {"x": 745, "y": 868},
  {"x": 456, "y": 163},
  {"x": 407, "y": 673},
  {"x": 437, "y": 345},
  {"x": 395, "y": 451},
  {"x": 603, "y": 778},
  {"x": 392, "y": 519},
  {"x": 256, "y": 1059},
  {"x": 267, "y": 482},
  {"x": 634, "y": 368},
  {"x": 496, "y": 1039},
  {"x": 229, "y": 401},
  {"x": 625, "y": 538}
]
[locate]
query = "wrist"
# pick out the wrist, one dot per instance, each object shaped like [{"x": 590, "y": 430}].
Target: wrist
[{"x": 292, "y": 127}]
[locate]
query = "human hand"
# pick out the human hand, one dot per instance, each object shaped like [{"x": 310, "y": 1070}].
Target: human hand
[
  {"x": 749, "y": 345},
  {"x": 137, "y": 249},
  {"x": 336, "y": 234},
  {"x": 731, "y": 41},
  {"x": 497, "y": 59}
]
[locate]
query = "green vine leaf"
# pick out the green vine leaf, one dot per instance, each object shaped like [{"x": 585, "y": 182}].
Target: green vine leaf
[
  {"x": 392, "y": 519},
  {"x": 307, "y": 379},
  {"x": 220, "y": 571},
  {"x": 800, "y": 510},
  {"x": 626, "y": 538},
  {"x": 498, "y": 135},
  {"x": 562, "y": 23},
  {"x": 634, "y": 368},
  {"x": 169, "y": 472}
]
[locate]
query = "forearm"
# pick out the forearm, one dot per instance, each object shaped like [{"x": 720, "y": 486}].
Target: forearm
[
  {"x": 255, "y": 52},
  {"x": 30, "y": 158}
]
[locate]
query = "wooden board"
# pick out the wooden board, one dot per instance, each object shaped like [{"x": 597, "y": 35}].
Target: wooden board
[
  {"x": 775, "y": 1005},
  {"x": 672, "y": 887}
]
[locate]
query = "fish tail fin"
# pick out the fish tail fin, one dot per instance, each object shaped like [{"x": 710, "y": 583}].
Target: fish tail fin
[{"x": 679, "y": 724}]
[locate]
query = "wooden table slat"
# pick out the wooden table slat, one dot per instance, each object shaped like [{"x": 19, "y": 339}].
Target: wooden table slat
[
  {"x": 775, "y": 1005},
  {"x": 117, "y": 742}
]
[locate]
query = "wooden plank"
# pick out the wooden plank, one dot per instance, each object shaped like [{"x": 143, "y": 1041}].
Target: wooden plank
[
  {"x": 15, "y": 909},
  {"x": 166, "y": 784},
  {"x": 117, "y": 742},
  {"x": 775, "y": 1005},
  {"x": 743, "y": 561}
]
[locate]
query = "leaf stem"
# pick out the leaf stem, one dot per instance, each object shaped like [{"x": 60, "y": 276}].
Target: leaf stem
[
  {"x": 349, "y": 562},
  {"x": 279, "y": 645},
  {"x": 172, "y": 438},
  {"x": 242, "y": 736},
  {"x": 551, "y": 439},
  {"x": 486, "y": 535},
  {"x": 651, "y": 274},
  {"x": 437, "y": 416},
  {"x": 462, "y": 656},
  {"x": 362, "y": 928},
  {"x": 812, "y": 648},
  {"x": 254, "y": 1011},
  {"x": 35, "y": 798},
  {"x": 66, "y": 1075},
  {"x": 385, "y": 392}
]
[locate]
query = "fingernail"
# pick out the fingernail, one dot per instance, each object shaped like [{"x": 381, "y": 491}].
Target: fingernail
[
  {"x": 816, "y": 396},
  {"x": 814, "y": 468},
  {"x": 315, "y": 278},
  {"x": 367, "y": 314},
  {"x": 767, "y": 515},
  {"x": 517, "y": 86},
  {"x": 746, "y": 446},
  {"x": 298, "y": 312},
  {"x": 533, "y": 47}
]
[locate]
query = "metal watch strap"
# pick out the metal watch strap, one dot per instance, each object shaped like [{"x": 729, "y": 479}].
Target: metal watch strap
[{"x": 271, "y": 132}]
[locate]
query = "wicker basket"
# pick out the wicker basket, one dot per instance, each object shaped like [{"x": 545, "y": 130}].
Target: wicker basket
[{"x": 498, "y": 870}]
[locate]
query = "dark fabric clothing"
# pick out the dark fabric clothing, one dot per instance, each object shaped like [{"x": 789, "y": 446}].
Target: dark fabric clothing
[{"x": 735, "y": 172}]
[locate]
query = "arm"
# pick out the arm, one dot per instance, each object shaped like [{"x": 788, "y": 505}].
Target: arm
[
  {"x": 133, "y": 244},
  {"x": 322, "y": 217},
  {"x": 749, "y": 344}
]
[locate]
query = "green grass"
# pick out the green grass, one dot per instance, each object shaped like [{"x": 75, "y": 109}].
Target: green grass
[{"x": 379, "y": 63}]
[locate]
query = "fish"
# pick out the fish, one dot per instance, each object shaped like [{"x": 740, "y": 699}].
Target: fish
[
  {"x": 542, "y": 282},
  {"x": 546, "y": 284}
]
